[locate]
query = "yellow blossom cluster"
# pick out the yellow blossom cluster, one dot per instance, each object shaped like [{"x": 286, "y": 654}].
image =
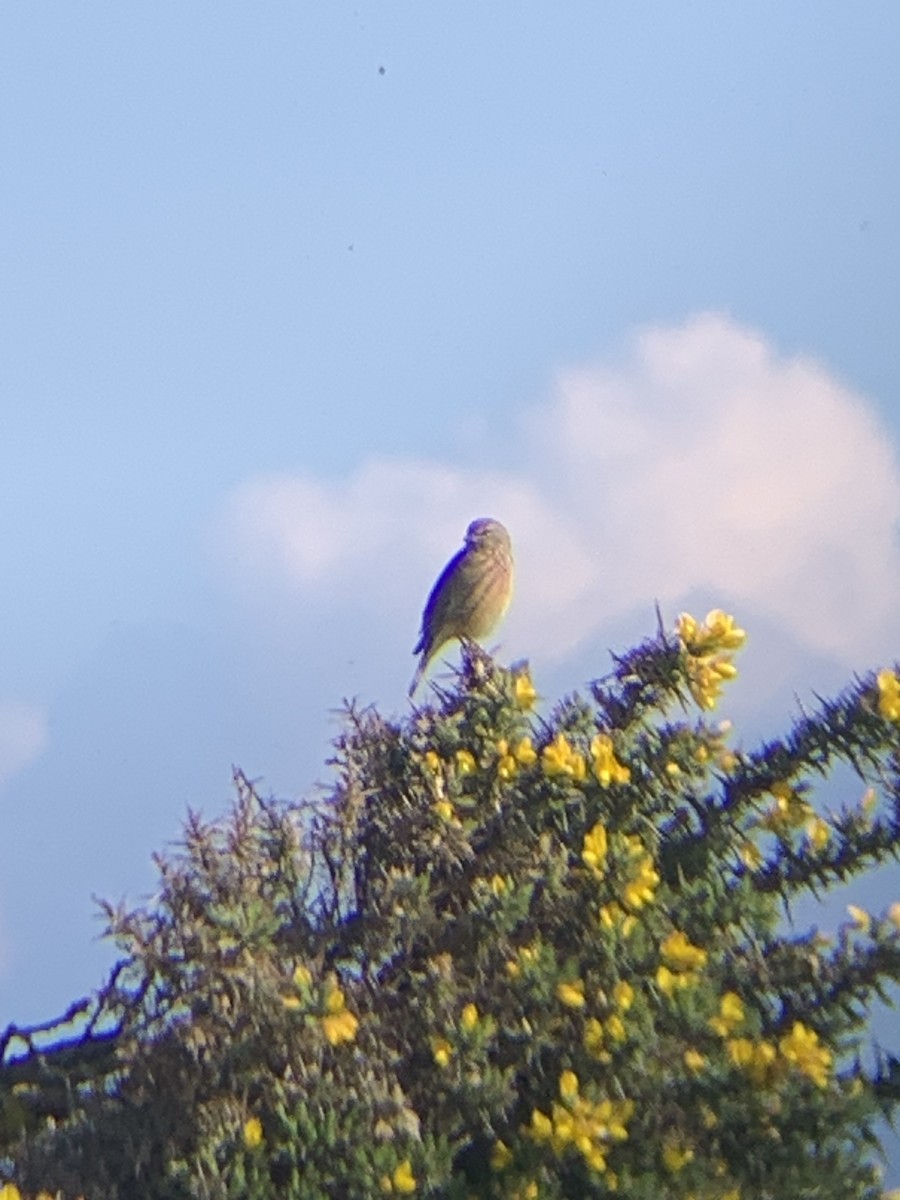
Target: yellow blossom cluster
[
  {"x": 755, "y": 1057},
  {"x": 641, "y": 878},
  {"x": 614, "y": 916},
  {"x": 465, "y": 762},
  {"x": 571, "y": 993},
  {"x": 434, "y": 762},
  {"x": 401, "y": 1181},
  {"x": 607, "y": 768},
  {"x": 889, "y": 695},
  {"x": 468, "y": 1018},
  {"x": 600, "y": 1035},
  {"x": 708, "y": 653},
  {"x": 511, "y": 758},
  {"x": 676, "y": 1156},
  {"x": 559, "y": 758},
  {"x": 681, "y": 963},
  {"x": 576, "y": 1123},
  {"x": 799, "y": 1049},
  {"x": 302, "y": 981},
  {"x": 718, "y": 631},
  {"x": 253, "y": 1133},
  {"x": 338, "y": 1023},
  {"x": 790, "y": 811},
  {"x": 730, "y": 1015},
  {"x": 524, "y": 691},
  {"x": 441, "y": 1050},
  {"x": 595, "y": 849},
  {"x": 526, "y": 957},
  {"x": 501, "y": 1156},
  {"x": 9, "y": 1191}
]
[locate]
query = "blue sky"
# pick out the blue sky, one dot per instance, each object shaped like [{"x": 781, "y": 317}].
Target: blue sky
[{"x": 292, "y": 292}]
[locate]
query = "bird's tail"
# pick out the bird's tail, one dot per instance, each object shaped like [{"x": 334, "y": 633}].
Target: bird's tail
[{"x": 417, "y": 678}]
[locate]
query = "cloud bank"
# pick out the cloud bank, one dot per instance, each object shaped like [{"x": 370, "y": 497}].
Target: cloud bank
[{"x": 700, "y": 462}]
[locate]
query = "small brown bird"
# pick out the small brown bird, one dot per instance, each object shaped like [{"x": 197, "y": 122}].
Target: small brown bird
[{"x": 471, "y": 595}]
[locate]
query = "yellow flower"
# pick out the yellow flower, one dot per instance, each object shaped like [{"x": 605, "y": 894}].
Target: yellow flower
[
  {"x": 740, "y": 1051},
  {"x": 727, "y": 761},
  {"x": 641, "y": 887},
  {"x": 501, "y": 1156},
  {"x": 595, "y": 849},
  {"x": 524, "y": 691},
  {"x": 615, "y": 1027},
  {"x": 613, "y": 916},
  {"x": 560, "y": 759},
  {"x": 686, "y": 629},
  {"x": 568, "y": 1085},
  {"x": 444, "y": 810},
  {"x": 433, "y": 761},
  {"x": 790, "y": 810},
  {"x": 338, "y": 1024},
  {"x": 253, "y": 1136},
  {"x": 403, "y": 1179},
  {"x": 718, "y": 632},
  {"x": 335, "y": 1000},
  {"x": 676, "y": 1157},
  {"x": 860, "y": 918},
  {"x": 442, "y": 1051},
  {"x": 894, "y": 914},
  {"x": 339, "y": 1027},
  {"x": 706, "y": 653},
  {"x": 694, "y": 1060},
  {"x": 724, "y": 631},
  {"x": 888, "y": 695},
  {"x": 507, "y": 767},
  {"x": 731, "y": 1015},
  {"x": 593, "y": 1039},
  {"x": 818, "y": 833},
  {"x": 750, "y": 855},
  {"x": 706, "y": 675},
  {"x": 667, "y": 981},
  {"x": 623, "y": 995},
  {"x": 468, "y": 1018},
  {"x": 541, "y": 1128},
  {"x": 9, "y": 1191},
  {"x": 679, "y": 954},
  {"x": 302, "y": 977},
  {"x": 571, "y": 994},
  {"x": 525, "y": 753},
  {"x": 801, "y": 1049},
  {"x": 753, "y": 1057},
  {"x": 465, "y": 762},
  {"x": 498, "y": 885},
  {"x": 607, "y": 767}
]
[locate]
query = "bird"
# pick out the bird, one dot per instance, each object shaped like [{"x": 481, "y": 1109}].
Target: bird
[{"x": 471, "y": 595}]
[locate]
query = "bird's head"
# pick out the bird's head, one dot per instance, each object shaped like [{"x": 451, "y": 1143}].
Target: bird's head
[{"x": 487, "y": 534}]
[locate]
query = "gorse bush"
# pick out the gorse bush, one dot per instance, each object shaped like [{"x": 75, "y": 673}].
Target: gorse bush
[{"x": 507, "y": 956}]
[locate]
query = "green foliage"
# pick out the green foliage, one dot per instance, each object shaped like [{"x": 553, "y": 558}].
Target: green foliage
[{"x": 506, "y": 957}]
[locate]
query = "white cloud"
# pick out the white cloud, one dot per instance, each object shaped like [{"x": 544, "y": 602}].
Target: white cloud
[
  {"x": 23, "y": 737},
  {"x": 700, "y": 463}
]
